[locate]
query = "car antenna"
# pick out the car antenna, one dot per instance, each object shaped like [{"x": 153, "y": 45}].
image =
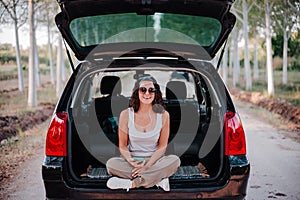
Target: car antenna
[
  {"x": 69, "y": 56},
  {"x": 221, "y": 55}
]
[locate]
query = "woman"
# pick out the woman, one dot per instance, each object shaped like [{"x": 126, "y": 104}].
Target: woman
[{"x": 143, "y": 139}]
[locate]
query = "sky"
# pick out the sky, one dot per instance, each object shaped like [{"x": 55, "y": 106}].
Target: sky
[{"x": 7, "y": 35}]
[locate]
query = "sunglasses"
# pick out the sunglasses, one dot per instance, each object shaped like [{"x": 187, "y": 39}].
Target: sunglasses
[{"x": 144, "y": 90}]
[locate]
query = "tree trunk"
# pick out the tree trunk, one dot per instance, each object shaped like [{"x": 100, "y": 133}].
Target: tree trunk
[
  {"x": 256, "y": 74},
  {"x": 32, "y": 97},
  {"x": 63, "y": 67},
  {"x": 50, "y": 52},
  {"x": 230, "y": 58},
  {"x": 18, "y": 58},
  {"x": 236, "y": 58},
  {"x": 285, "y": 60},
  {"x": 225, "y": 64},
  {"x": 269, "y": 51},
  {"x": 36, "y": 63},
  {"x": 59, "y": 68},
  {"x": 246, "y": 51}
]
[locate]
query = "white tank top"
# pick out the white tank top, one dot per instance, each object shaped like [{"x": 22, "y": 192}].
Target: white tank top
[{"x": 143, "y": 143}]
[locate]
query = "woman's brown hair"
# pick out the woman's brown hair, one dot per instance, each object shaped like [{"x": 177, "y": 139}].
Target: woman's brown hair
[{"x": 158, "y": 105}]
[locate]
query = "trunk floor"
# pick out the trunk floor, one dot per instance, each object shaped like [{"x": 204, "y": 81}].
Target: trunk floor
[{"x": 184, "y": 172}]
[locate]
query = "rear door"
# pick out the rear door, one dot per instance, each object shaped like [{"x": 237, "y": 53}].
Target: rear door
[{"x": 87, "y": 23}]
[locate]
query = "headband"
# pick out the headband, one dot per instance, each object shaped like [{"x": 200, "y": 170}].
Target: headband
[{"x": 147, "y": 78}]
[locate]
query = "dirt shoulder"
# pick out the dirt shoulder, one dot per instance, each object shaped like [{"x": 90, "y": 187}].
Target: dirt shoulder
[
  {"x": 287, "y": 112},
  {"x": 22, "y": 130},
  {"x": 11, "y": 125},
  {"x": 21, "y": 138},
  {"x": 20, "y": 165}
]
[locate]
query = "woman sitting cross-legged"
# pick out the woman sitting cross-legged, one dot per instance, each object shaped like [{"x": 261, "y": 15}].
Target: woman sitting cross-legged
[{"x": 143, "y": 138}]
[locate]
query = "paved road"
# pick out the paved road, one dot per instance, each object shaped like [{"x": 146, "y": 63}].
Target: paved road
[
  {"x": 27, "y": 184},
  {"x": 275, "y": 162}
]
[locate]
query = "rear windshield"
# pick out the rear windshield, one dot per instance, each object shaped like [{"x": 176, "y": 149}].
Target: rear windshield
[{"x": 160, "y": 27}]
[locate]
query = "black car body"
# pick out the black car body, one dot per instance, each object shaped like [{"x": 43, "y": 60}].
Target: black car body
[{"x": 205, "y": 129}]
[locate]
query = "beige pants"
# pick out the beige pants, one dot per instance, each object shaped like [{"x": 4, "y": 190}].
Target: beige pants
[{"x": 164, "y": 167}]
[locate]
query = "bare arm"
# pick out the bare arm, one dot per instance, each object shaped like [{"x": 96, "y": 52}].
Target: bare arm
[
  {"x": 123, "y": 139},
  {"x": 123, "y": 135},
  {"x": 163, "y": 140}
]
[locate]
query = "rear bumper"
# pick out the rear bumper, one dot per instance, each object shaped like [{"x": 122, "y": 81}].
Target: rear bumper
[{"x": 235, "y": 188}]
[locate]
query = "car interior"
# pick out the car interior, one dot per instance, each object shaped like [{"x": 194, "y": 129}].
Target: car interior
[{"x": 107, "y": 97}]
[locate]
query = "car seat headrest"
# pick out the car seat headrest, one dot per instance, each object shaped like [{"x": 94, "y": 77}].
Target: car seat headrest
[
  {"x": 176, "y": 90},
  {"x": 110, "y": 85}
]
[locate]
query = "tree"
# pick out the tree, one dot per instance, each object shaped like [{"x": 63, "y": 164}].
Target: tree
[
  {"x": 50, "y": 50},
  {"x": 271, "y": 90},
  {"x": 285, "y": 17},
  {"x": 47, "y": 11},
  {"x": 235, "y": 54},
  {"x": 36, "y": 62},
  {"x": 257, "y": 22},
  {"x": 255, "y": 57},
  {"x": 225, "y": 64},
  {"x": 39, "y": 8},
  {"x": 59, "y": 68},
  {"x": 32, "y": 96},
  {"x": 245, "y": 10},
  {"x": 15, "y": 10}
]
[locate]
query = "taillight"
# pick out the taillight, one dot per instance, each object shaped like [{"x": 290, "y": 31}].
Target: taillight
[
  {"x": 56, "y": 140},
  {"x": 235, "y": 142}
]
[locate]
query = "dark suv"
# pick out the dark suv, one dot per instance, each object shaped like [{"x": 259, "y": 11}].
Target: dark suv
[{"x": 118, "y": 42}]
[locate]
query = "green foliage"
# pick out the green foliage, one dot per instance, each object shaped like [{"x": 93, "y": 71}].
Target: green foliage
[
  {"x": 9, "y": 58},
  {"x": 277, "y": 45},
  {"x": 289, "y": 88},
  {"x": 295, "y": 102},
  {"x": 44, "y": 70},
  {"x": 295, "y": 64},
  {"x": 241, "y": 86},
  {"x": 44, "y": 60},
  {"x": 259, "y": 86},
  {"x": 293, "y": 46},
  {"x": 289, "y": 92}
]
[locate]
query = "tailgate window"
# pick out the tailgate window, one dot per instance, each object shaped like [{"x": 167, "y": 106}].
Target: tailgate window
[{"x": 131, "y": 27}]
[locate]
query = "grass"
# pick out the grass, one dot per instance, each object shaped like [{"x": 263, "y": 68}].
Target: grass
[
  {"x": 15, "y": 102},
  {"x": 289, "y": 92},
  {"x": 270, "y": 118},
  {"x": 8, "y": 68}
]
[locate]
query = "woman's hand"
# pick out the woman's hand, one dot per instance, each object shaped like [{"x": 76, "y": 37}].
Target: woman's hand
[
  {"x": 139, "y": 171},
  {"x": 136, "y": 163}
]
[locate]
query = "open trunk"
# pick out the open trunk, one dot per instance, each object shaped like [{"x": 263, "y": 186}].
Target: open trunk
[{"x": 100, "y": 94}]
